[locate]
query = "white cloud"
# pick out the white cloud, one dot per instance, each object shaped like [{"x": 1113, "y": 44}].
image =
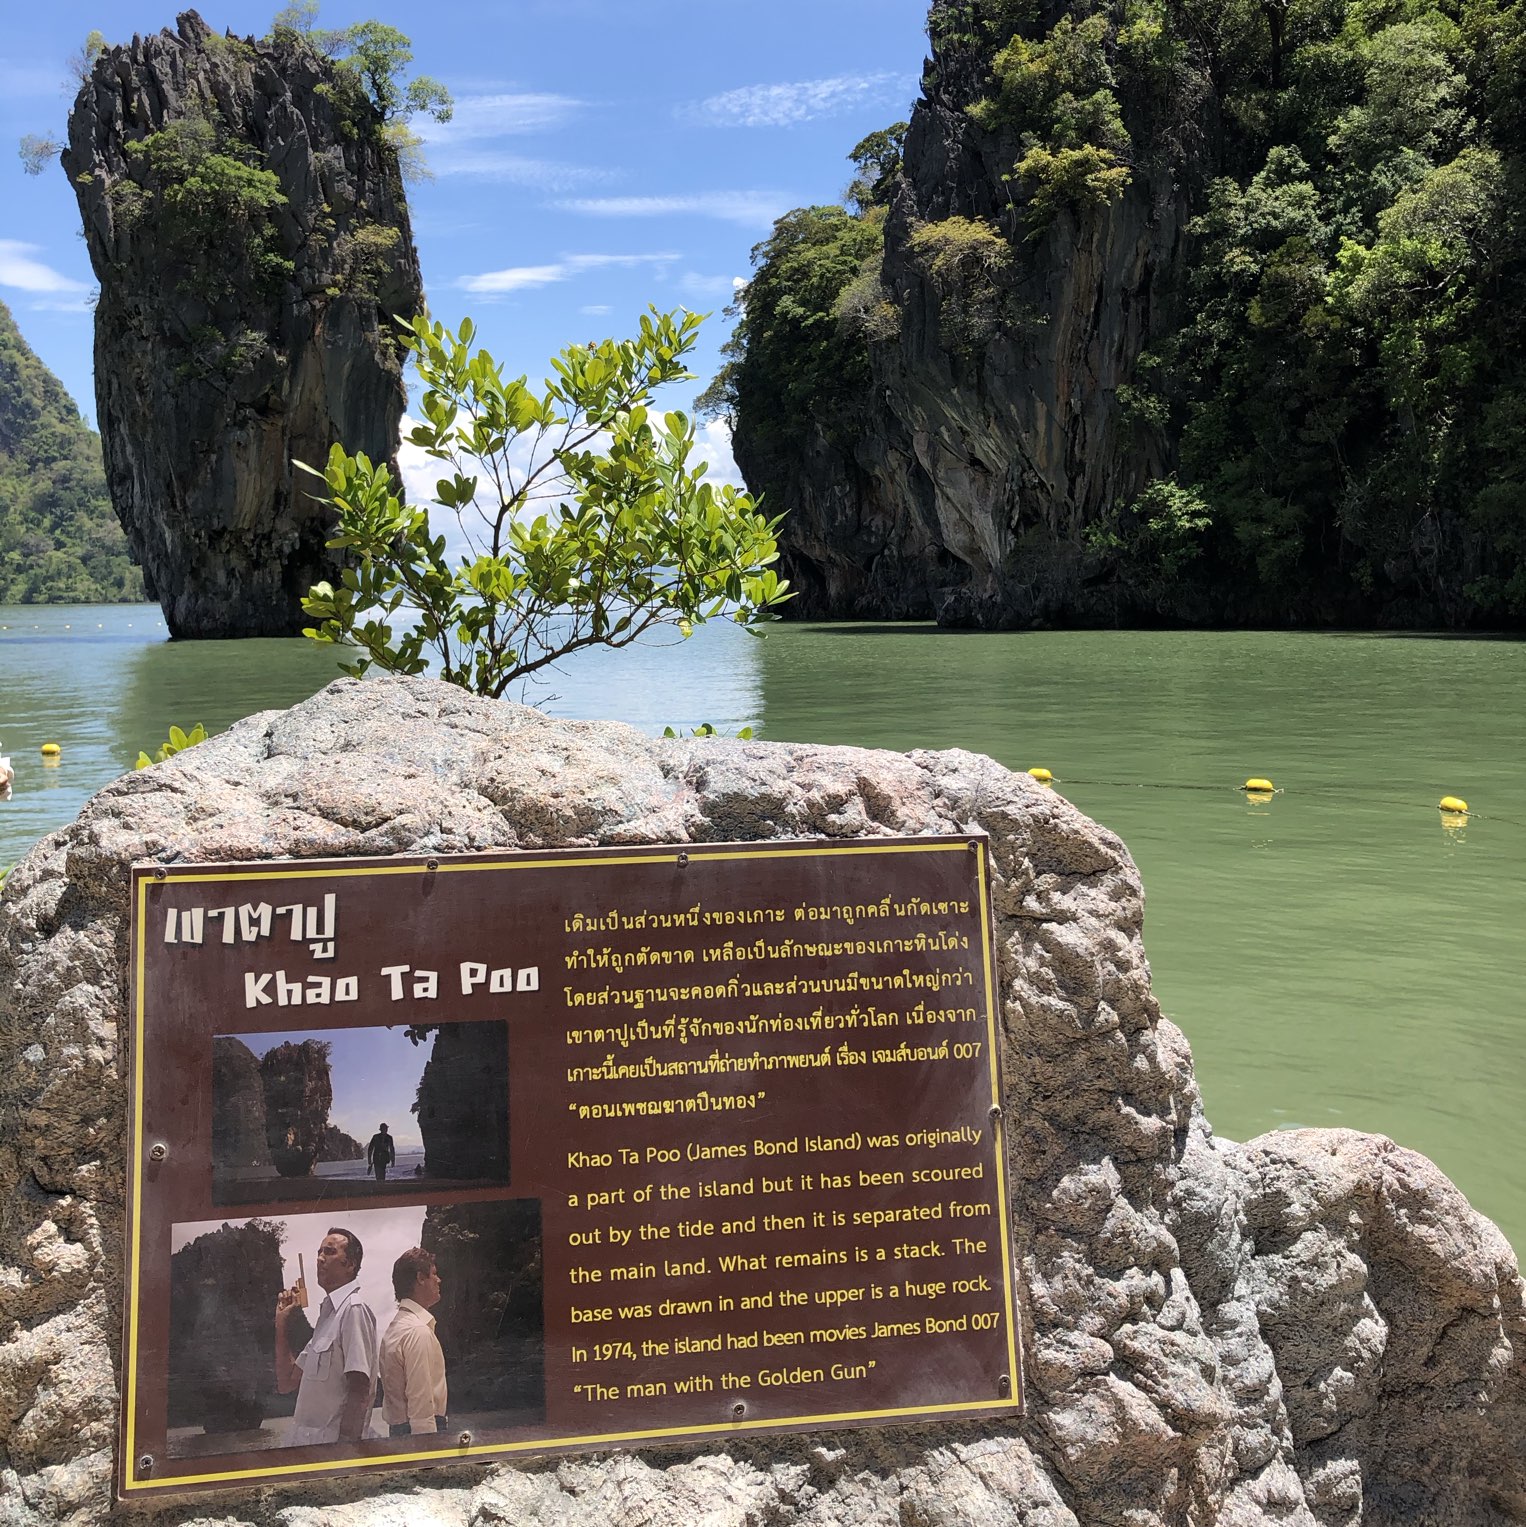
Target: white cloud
[
  {"x": 692, "y": 284},
  {"x": 596, "y": 309},
  {"x": 784, "y": 105},
  {"x": 514, "y": 279},
  {"x": 513, "y": 169},
  {"x": 713, "y": 443},
  {"x": 420, "y": 472},
  {"x": 527, "y": 277},
  {"x": 20, "y": 270},
  {"x": 752, "y": 209},
  {"x": 498, "y": 116},
  {"x": 467, "y": 533}
]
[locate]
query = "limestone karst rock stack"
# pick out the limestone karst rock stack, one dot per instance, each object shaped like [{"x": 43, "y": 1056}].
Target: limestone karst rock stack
[
  {"x": 463, "y": 1103},
  {"x": 223, "y": 1286},
  {"x": 1309, "y": 1330},
  {"x": 242, "y": 327},
  {"x": 958, "y": 481},
  {"x": 336, "y": 1145},
  {"x": 298, "y": 1095},
  {"x": 238, "y": 1105}
]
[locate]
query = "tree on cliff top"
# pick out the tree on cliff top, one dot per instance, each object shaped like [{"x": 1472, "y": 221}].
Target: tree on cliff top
[
  {"x": 370, "y": 54},
  {"x": 633, "y": 536},
  {"x": 374, "y": 57}
]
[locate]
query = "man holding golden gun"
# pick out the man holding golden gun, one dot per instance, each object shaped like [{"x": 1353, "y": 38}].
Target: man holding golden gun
[{"x": 335, "y": 1373}]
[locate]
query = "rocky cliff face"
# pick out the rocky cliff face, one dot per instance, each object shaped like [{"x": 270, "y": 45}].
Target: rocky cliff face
[
  {"x": 298, "y": 1095},
  {"x": 489, "y": 1317},
  {"x": 247, "y": 225},
  {"x": 1144, "y": 340},
  {"x": 463, "y": 1102},
  {"x": 959, "y": 483},
  {"x": 1312, "y": 1328},
  {"x": 223, "y": 1287},
  {"x": 238, "y": 1105}
]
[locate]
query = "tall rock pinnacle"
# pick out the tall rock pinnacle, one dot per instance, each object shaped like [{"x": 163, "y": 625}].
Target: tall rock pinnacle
[{"x": 246, "y": 220}]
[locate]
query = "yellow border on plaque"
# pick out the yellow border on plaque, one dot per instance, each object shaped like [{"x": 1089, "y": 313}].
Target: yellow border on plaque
[{"x": 290, "y": 869}]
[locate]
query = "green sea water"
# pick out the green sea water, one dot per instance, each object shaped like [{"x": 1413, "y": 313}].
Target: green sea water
[{"x": 1337, "y": 956}]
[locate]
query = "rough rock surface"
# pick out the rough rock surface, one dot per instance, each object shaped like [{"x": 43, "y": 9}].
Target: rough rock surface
[
  {"x": 463, "y": 1103},
  {"x": 1313, "y": 1328},
  {"x": 490, "y": 1308},
  {"x": 238, "y": 1105},
  {"x": 213, "y": 372},
  {"x": 223, "y": 1286},
  {"x": 961, "y": 484},
  {"x": 298, "y": 1094}
]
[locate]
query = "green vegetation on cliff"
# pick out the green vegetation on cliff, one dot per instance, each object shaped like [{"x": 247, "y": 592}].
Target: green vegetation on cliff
[
  {"x": 804, "y": 322},
  {"x": 59, "y": 541},
  {"x": 1334, "y": 372}
]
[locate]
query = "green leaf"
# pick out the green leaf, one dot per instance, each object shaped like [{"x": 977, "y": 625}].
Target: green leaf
[{"x": 638, "y": 539}]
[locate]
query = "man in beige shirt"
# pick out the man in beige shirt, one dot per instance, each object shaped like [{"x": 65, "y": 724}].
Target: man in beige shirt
[{"x": 412, "y": 1364}]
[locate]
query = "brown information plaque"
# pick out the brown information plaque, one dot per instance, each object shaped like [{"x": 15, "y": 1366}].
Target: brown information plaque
[{"x": 447, "y": 1159}]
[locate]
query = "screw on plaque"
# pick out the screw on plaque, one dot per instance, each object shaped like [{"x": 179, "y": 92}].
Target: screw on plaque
[
  {"x": 146, "y": 1464},
  {"x": 158, "y": 1151},
  {"x": 683, "y": 861},
  {"x": 739, "y": 1410},
  {"x": 995, "y": 1112},
  {"x": 431, "y": 864},
  {"x": 465, "y": 1439},
  {"x": 974, "y": 845},
  {"x": 1004, "y": 1386},
  {"x": 160, "y": 873}
]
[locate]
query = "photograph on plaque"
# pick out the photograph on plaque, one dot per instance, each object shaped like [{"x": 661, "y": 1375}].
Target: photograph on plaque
[
  {"x": 442, "y": 1316},
  {"x": 303, "y": 1114},
  {"x": 439, "y": 1160}
]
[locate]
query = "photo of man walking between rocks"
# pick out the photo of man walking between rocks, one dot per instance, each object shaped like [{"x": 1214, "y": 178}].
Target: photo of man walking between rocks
[
  {"x": 290, "y": 1110},
  {"x": 391, "y": 1329}
]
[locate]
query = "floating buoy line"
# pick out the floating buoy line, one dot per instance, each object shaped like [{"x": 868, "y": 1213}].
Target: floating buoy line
[{"x": 1258, "y": 790}]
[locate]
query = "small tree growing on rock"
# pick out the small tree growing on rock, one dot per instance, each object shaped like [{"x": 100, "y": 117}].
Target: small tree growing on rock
[{"x": 586, "y": 520}]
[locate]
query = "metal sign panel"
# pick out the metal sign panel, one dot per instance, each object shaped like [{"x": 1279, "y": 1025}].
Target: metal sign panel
[{"x": 446, "y": 1159}]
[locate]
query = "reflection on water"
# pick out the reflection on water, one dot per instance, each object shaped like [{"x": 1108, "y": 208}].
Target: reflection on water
[{"x": 1338, "y": 955}]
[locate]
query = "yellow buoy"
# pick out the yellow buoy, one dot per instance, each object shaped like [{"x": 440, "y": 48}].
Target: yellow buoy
[
  {"x": 51, "y": 750},
  {"x": 1452, "y": 804},
  {"x": 1259, "y": 786},
  {"x": 1043, "y": 776}
]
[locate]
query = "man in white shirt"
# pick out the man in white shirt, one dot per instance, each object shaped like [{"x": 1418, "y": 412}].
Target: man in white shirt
[
  {"x": 412, "y": 1364},
  {"x": 335, "y": 1373}
]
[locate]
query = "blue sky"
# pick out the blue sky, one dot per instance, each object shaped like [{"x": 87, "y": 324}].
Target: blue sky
[{"x": 605, "y": 154}]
